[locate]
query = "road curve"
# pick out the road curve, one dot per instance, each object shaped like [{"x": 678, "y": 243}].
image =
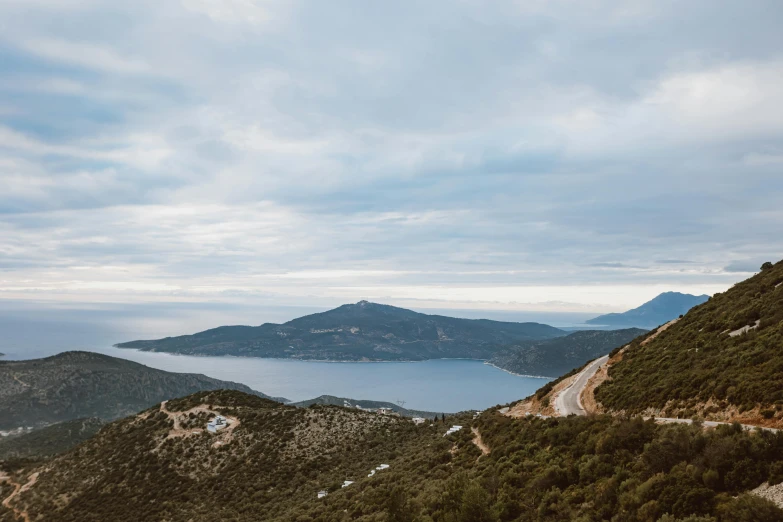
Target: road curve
[{"x": 567, "y": 401}]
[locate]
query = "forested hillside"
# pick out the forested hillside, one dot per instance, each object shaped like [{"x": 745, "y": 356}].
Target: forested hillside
[
  {"x": 555, "y": 357},
  {"x": 272, "y": 460},
  {"x": 74, "y": 385},
  {"x": 722, "y": 360}
]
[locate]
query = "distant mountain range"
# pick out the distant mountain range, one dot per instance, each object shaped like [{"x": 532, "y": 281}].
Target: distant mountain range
[
  {"x": 660, "y": 310},
  {"x": 374, "y": 332},
  {"x": 74, "y": 385},
  {"x": 358, "y": 332}
]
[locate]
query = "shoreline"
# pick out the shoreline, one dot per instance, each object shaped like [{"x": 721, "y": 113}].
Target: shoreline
[
  {"x": 519, "y": 374},
  {"x": 336, "y": 361}
]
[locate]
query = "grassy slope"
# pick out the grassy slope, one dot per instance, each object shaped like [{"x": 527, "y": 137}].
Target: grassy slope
[
  {"x": 556, "y": 469},
  {"x": 696, "y": 367}
]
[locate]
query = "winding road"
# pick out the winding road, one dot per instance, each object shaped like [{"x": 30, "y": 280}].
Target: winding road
[{"x": 567, "y": 402}]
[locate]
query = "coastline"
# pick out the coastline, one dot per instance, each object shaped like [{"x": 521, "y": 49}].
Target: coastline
[
  {"x": 306, "y": 360},
  {"x": 519, "y": 374},
  {"x": 336, "y": 361}
]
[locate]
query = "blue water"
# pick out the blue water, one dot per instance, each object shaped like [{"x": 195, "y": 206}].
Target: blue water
[{"x": 438, "y": 385}]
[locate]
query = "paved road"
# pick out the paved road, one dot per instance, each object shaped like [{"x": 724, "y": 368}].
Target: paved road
[{"x": 567, "y": 401}]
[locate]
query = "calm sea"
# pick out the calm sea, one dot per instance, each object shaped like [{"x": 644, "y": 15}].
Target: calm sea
[{"x": 438, "y": 385}]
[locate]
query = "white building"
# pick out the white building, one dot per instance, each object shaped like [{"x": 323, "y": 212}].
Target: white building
[
  {"x": 453, "y": 429},
  {"x": 217, "y": 424},
  {"x": 322, "y": 493},
  {"x": 347, "y": 483},
  {"x": 419, "y": 420},
  {"x": 379, "y": 468}
]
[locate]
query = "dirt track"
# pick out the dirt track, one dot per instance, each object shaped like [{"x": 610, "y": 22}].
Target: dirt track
[
  {"x": 18, "y": 488},
  {"x": 478, "y": 442},
  {"x": 224, "y": 435}
]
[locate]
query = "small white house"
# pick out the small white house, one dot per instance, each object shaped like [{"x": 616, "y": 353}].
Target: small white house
[
  {"x": 347, "y": 483},
  {"x": 453, "y": 429},
  {"x": 322, "y": 493},
  {"x": 419, "y": 420},
  {"x": 217, "y": 424},
  {"x": 385, "y": 411}
]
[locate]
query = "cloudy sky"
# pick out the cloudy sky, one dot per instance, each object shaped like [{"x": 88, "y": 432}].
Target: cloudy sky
[{"x": 559, "y": 155}]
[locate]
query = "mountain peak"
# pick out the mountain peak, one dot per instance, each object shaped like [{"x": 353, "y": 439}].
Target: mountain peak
[
  {"x": 358, "y": 331},
  {"x": 661, "y": 309}
]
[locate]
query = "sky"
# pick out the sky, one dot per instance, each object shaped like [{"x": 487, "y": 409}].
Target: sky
[{"x": 566, "y": 156}]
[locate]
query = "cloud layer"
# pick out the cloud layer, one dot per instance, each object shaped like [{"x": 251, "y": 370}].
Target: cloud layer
[{"x": 552, "y": 155}]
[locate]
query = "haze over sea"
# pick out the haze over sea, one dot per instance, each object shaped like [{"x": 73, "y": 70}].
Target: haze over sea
[{"x": 438, "y": 385}]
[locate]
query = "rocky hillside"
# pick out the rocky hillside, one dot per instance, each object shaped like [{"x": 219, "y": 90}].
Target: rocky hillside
[
  {"x": 272, "y": 460},
  {"x": 660, "y": 310},
  {"x": 74, "y": 385},
  {"x": 723, "y": 360},
  {"x": 358, "y": 332},
  {"x": 555, "y": 357}
]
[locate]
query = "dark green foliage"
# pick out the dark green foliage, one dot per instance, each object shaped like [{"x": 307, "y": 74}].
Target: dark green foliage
[
  {"x": 554, "y": 357},
  {"x": 74, "y": 385},
  {"x": 577, "y": 468},
  {"x": 696, "y": 359},
  {"x": 361, "y": 331},
  {"x": 398, "y": 507}
]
